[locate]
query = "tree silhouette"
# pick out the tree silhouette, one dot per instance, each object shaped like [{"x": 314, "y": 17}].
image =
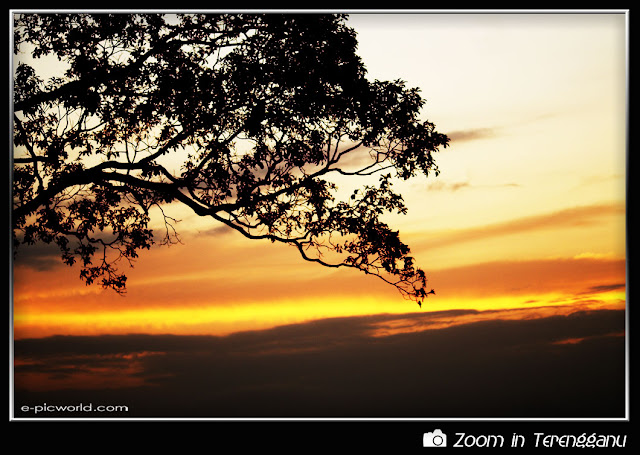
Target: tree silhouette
[{"x": 244, "y": 118}]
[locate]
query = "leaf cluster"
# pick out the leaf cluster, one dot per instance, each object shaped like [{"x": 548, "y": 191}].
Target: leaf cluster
[{"x": 244, "y": 118}]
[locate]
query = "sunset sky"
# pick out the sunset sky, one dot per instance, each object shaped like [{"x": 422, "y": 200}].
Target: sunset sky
[{"x": 525, "y": 223}]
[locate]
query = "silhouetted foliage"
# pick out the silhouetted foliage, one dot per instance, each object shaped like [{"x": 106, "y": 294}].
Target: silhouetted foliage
[{"x": 243, "y": 118}]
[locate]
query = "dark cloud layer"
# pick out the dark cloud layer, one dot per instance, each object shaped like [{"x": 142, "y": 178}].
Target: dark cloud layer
[
  {"x": 561, "y": 366},
  {"x": 39, "y": 256}
]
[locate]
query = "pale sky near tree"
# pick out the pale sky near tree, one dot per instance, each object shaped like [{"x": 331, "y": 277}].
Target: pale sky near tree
[{"x": 535, "y": 105}]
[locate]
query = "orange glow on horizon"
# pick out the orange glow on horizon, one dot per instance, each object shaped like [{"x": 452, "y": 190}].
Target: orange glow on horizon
[{"x": 223, "y": 320}]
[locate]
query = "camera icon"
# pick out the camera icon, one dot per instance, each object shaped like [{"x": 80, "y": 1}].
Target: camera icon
[{"x": 434, "y": 439}]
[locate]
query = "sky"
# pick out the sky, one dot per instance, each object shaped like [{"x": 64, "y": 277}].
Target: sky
[{"x": 522, "y": 236}]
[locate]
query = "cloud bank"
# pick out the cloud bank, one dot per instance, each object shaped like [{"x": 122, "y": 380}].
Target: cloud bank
[{"x": 559, "y": 366}]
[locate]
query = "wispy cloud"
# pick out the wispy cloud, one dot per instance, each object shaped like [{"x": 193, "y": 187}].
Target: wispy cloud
[
  {"x": 605, "y": 288},
  {"x": 216, "y": 231},
  {"x": 471, "y": 134},
  {"x": 566, "y": 276},
  {"x": 571, "y": 217},
  {"x": 441, "y": 185}
]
